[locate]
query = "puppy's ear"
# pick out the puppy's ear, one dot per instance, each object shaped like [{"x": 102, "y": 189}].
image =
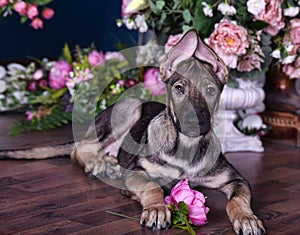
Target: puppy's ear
[
  {"x": 206, "y": 54},
  {"x": 183, "y": 50}
]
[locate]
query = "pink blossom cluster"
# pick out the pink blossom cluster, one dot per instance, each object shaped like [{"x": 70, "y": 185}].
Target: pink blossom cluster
[
  {"x": 41, "y": 112},
  {"x": 194, "y": 200},
  {"x": 38, "y": 81},
  {"x": 31, "y": 11},
  {"x": 293, "y": 69}
]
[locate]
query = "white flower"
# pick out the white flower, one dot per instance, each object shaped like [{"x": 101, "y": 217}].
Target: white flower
[
  {"x": 207, "y": 10},
  {"x": 141, "y": 23},
  {"x": 276, "y": 54},
  {"x": 253, "y": 121},
  {"x": 226, "y": 9},
  {"x": 256, "y": 7},
  {"x": 2, "y": 72},
  {"x": 2, "y": 86},
  {"x": 129, "y": 23},
  {"x": 291, "y": 11},
  {"x": 103, "y": 104},
  {"x": 289, "y": 59}
]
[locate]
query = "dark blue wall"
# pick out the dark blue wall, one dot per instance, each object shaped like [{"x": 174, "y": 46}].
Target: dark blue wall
[{"x": 76, "y": 22}]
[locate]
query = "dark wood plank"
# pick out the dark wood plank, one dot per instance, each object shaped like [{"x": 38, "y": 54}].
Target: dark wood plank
[{"x": 54, "y": 196}]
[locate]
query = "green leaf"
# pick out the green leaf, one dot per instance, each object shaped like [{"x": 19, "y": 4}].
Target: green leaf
[
  {"x": 187, "y": 16},
  {"x": 183, "y": 208},
  {"x": 23, "y": 19},
  {"x": 259, "y": 24},
  {"x": 153, "y": 7},
  {"x": 41, "y": 2},
  {"x": 160, "y": 5},
  {"x": 57, "y": 94},
  {"x": 67, "y": 53},
  {"x": 190, "y": 229}
]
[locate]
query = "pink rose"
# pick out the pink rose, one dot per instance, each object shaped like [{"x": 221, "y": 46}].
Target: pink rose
[
  {"x": 32, "y": 11},
  {"x": 153, "y": 82},
  {"x": 20, "y": 7},
  {"x": 32, "y": 86},
  {"x": 48, "y": 13},
  {"x": 229, "y": 41},
  {"x": 59, "y": 74},
  {"x": 3, "y": 3},
  {"x": 96, "y": 58},
  {"x": 295, "y": 31},
  {"x": 272, "y": 14},
  {"x": 194, "y": 200},
  {"x": 172, "y": 41},
  {"x": 37, "y": 23}
]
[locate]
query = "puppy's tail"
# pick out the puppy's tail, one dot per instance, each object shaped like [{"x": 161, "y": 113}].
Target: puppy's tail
[{"x": 39, "y": 152}]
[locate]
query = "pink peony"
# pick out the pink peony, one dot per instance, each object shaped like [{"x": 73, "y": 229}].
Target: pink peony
[
  {"x": 20, "y": 7},
  {"x": 37, "y": 23},
  {"x": 59, "y": 74},
  {"x": 48, "y": 13},
  {"x": 272, "y": 14},
  {"x": 32, "y": 11},
  {"x": 96, "y": 58},
  {"x": 194, "y": 200},
  {"x": 249, "y": 62},
  {"x": 3, "y": 3},
  {"x": 295, "y": 31},
  {"x": 229, "y": 41},
  {"x": 153, "y": 82},
  {"x": 172, "y": 41}
]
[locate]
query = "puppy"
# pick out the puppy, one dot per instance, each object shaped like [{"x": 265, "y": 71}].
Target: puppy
[{"x": 150, "y": 146}]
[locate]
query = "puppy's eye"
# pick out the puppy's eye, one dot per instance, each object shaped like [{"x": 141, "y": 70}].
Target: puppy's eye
[
  {"x": 179, "y": 88},
  {"x": 210, "y": 90}
]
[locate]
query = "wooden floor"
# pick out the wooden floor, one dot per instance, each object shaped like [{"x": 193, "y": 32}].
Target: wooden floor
[{"x": 54, "y": 196}]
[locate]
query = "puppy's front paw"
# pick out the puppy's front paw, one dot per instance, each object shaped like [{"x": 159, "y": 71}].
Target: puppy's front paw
[
  {"x": 248, "y": 225},
  {"x": 156, "y": 216}
]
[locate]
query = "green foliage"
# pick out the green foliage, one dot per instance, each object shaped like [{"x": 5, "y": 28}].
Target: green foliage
[
  {"x": 55, "y": 119},
  {"x": 180, "y": 217}
]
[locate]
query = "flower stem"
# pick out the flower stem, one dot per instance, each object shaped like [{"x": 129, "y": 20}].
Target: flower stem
[{"x": 121, "y": 215}]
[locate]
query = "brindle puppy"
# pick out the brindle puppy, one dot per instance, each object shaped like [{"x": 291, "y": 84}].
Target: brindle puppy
[{"x": 156, "y": 144}]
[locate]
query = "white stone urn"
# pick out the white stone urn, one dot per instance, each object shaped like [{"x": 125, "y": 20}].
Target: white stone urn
[{"x": 249, "y": 95}]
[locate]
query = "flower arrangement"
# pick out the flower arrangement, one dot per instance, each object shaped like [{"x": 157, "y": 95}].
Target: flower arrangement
[
  {"x": 188, "y": 207},
  {"x": 85, "y": 81},
  {"x": 246, "y": 34},
  {"x": 28, "y": 10}
]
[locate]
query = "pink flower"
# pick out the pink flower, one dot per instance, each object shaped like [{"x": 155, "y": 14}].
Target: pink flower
[
  {"x": 96, "y": 58},
  {"x": 3, "y": 3},
  {"x": 272, "y": 14},
  {"x": 153, "y": 82},
  {"x": 30, "y": 115},
  {"x": 125, "y": 3},
  {"x": 172, "y": 41},
  {"x": 42, "y": 83},
  {"x": 249, "y": 62},
  {"x": 114, "y": 55},
  {"x": 293, "y": 71},
  {"x": 20, "y": 7},
  {"x": 32, "y": 11},
  {"x": 130, "y": 82},
  {"x": 83, "y": 75},
  {"x": 37, "y": 75},
  {"x": 32, "y": 86},
  {"x": 229, "y": 41},
  {"x": 37, "y": 23},
  {"x": 48, "y": 13},
  {"x": 194, "y": 200},
  {"x": 295, "y": 31},
  {"x": 59, "y": 74}
]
